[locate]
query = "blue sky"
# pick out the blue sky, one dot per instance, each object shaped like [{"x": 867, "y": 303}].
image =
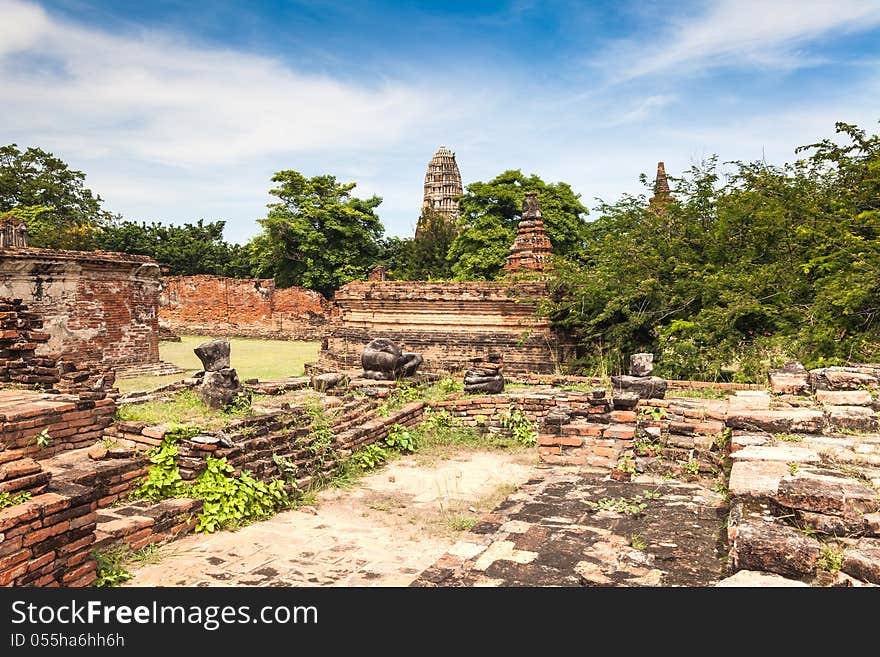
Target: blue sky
[{"x": 180, "y": 110}]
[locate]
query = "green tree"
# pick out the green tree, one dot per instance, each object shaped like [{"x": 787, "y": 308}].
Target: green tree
[
  {"x": 189, "y": 249},
  {"x": 490, "y": 212},
  {"x": 422, "y": 258},
  {"x": 317, "y": 235},
  {"x": 35, "y": 178},
  {"x": 739, "y": 272}
]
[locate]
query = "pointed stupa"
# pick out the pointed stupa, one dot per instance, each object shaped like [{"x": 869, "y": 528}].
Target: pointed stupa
[
  {"x": 442, "y": 184},
  {"x": 662, "y": 195},
  {"x": 531, "y": 248}
]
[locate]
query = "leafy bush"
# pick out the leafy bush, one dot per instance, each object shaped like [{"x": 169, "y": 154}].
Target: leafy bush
[
  {"x": 163, "y": 479},
  {"x": 520, "y": 426},
  {"x": 369, "y": 457},
  {"x": 230, "y": 501},
  {"x": 402, "y": 440}
]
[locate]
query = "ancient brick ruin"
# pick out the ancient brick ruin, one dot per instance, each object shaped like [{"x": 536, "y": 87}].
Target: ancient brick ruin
[
  {"x": 447, "y": 323},
  {"x": 96, "y": 307},
  {"x": 450, "y": 324},
  {"x": 13, "y": 232},
  {"x": 531, "y": 249},
  {"x": 250, "y": 307},
  {"x": 442, "y": 185},
  {"x": 662, "y": 195}
]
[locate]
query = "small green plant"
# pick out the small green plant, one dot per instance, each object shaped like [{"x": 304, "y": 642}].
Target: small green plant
[
  {"x": 646, "y": 445},
  {"x": 626, "y": 464},
  {"x": 111, "y": 570},
  {"x": 787, "y": 437},
  {"x": 369, "y": 457},
  {"x": 43, "y": 439},
  {"x": 628, "y": 506},
  {"x": 638, "y": 542},
  {"x": 793, "y": 468},
  {"x": 286, "y": 468},
  {"x": 109, "y": 442},
  {"x": 448, "y": 386},
  {"x": 461, "y": 523},
  {"x": 10, "y": 500},
  {"x": 163, "y": 479},
  {"x": 229, "y": 501},
  {"x": 520, "y": 426},
  {"x": 831, "y": 558},
  {"x": 652, "y": 413},
  {"x": 402, "y": 394},
  {"x": 721, "y": 488},
  {"x": 241, "y": 404},
  {"x": 692, "y": 467},
  {"x": 723, "y": 439},
  {"x": 402, "y": 440}
]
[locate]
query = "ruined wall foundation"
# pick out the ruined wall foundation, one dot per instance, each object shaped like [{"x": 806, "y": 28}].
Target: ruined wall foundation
[
  {"x": 250, "y": 308},
  {"x": 96, "y": 307},
  {"x": 447, "y": 323}
]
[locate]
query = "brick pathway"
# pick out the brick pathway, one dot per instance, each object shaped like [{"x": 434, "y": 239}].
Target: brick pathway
[
  {"x": 549, "y": 534},
  {"x": 384, "y": 531}
]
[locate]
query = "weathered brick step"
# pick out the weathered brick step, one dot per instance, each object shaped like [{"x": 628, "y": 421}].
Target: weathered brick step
[
  {"x": 139, "y": 524},
  {"x": 778, "y": 421}
]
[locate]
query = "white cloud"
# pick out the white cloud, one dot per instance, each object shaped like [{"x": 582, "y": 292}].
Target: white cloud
[
  {"x": 762, "y": 33},
  {"x": 148, "y": 96}
]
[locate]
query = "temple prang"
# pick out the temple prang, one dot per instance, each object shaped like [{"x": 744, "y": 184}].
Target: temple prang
[
  {"x": 442, "y": 186},
  {"x": 662, "y": 195}
]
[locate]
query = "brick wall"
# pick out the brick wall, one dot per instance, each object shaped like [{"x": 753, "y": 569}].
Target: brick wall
[
  {"x": 447, "y": 323},
  {"x": 47, "y": 540},
  {"x": 250, "y": 307},
  {"x": 96, "y": 307}
]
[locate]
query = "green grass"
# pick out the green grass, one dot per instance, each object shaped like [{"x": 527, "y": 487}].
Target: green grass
[
  {"x": 697, "y": 393},
  {"x": 185, "y": 407},
  {"x": 253, "y": 359}
]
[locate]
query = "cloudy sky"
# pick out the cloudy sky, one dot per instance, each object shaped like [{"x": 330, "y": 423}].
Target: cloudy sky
[{"x": 180, "y": 110}]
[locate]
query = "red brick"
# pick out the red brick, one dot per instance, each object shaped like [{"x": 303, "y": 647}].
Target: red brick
[
  {"x": 79, "y": 573},
  {"x": 543, "y": 451},
  {"x": 620, "y": 431},
  {"x": 41, "y": 561},
  {"x": 18, "y": 514},
  {"x": 11, "y": 560},
  {"x": 623, "y": 416},
  {"x": 7, "y": 577},
  {"x": 46, "y": 532}
]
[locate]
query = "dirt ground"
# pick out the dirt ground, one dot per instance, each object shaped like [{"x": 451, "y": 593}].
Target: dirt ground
[{"x": 382, "y": 531}]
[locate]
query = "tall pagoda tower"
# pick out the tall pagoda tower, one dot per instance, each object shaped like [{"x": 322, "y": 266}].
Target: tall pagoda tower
[
  {"x": 442, "y": 185},
  {"x": 662, "y": 195}
]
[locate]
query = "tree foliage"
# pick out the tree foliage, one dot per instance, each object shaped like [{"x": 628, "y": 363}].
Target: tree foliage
[
  {"x": 71, "y": 213},
  {"x": 422, "y": 258},
  {"x": 189, "y": 249},
  {"x": 740, "y": 272},
  {"x": 490, "y": 212},
  {"x": 317, "y": 235}
]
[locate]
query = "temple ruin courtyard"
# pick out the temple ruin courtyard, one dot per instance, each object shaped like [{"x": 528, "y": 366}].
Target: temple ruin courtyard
[{"x": 408, "y": 434}]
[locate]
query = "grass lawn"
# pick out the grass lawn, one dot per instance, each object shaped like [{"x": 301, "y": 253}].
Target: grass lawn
[{"x": 253, "y": 359}]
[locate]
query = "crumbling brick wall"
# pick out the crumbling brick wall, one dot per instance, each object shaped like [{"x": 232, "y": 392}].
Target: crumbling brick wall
[
  {"x": 447, "y": 323},
  {"x": 96, "y": 307},
  {"x": 250, "y": 307}
]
